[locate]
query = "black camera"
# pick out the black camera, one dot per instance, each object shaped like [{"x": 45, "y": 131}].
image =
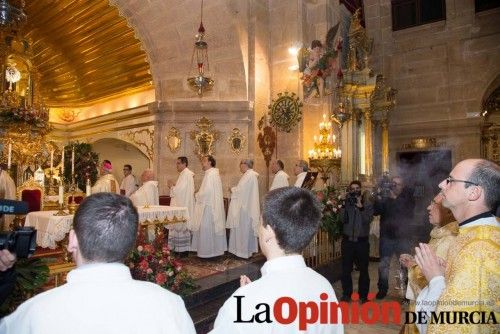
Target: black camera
[
  {"x": 22, "y": 242},
  {"x": 384, "y": 186},
  {"x": 352, "y": 197}
]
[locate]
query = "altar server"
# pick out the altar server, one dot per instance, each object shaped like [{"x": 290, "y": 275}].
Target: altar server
[
  {"x": 100, "y": 296},
  {"x": 129, "y": 184}
]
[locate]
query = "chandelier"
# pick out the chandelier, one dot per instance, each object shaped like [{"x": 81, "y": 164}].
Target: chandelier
[
  {"x": 24, "y": 119},
  {"x": 200, "y": 82},
  {"x": 325, "y": 156}
]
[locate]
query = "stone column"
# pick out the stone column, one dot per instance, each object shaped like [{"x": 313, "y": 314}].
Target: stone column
[
  {"x": 367, "y": 114},
  {"x": 385, "y": 145}
]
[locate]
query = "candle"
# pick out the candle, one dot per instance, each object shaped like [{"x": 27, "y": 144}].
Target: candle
[
  {"x": 62, "y": 162},
  {"x": 73, "y": 161},
  {"x": 9, "y": 159},
  {"x": 88, "y": 190},
  {"x": 61, "y": 194},
  {"x": 51, "y": 160},
  {"x": 315, "y": 138}
]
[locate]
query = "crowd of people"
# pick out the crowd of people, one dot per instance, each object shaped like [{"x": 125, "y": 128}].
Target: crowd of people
[
  {"x": 458, "y": 267},
  {"x": 205, "y": 231}
]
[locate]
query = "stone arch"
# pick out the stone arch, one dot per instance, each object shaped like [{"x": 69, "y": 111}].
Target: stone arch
[
  {"x": 166, "y": 30},
  {"x": 121, "y": 152}
]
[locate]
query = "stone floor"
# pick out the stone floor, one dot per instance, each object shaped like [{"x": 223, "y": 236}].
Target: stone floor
[{"x": 393, "y": 295}]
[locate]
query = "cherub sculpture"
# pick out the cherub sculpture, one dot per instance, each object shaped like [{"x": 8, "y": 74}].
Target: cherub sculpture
[{"x": 318, "y": 63}]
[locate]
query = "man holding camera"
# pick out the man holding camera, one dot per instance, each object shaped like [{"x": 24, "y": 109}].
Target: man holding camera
[
  {"x": 356, "y": 216},
  {"x": 395, "y": 204}
]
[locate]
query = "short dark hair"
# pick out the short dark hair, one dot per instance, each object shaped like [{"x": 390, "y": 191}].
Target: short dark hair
[
  {"x": 294, "y": 214},
  {"x": 212, "y": 160},
  {"x": 105, "y": 225},
  {"x": 183, "y": 160},
  {"x": 487, "y": 174},
  {"x": 109, "y": 162},
  {"x": 355, "y": 182},
  {"x": 281, "y": 164},
  {"x": 127, "y": 166}
]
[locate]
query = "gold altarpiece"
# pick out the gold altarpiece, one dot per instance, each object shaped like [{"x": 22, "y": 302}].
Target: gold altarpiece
[{"x": 367, "y": 101}]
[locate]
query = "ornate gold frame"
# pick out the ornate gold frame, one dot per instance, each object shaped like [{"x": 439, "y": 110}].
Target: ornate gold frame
[
  {"x": 205, "y": 138},
  {"x": 236, "y": 141},
  {"x": 173, "y": 139}
]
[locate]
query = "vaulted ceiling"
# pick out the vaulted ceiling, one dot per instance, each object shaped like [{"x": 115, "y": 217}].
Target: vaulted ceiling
[{"x": 84, "y": 51}]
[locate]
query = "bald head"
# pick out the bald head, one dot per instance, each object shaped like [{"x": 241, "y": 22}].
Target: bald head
[{"x": 147, "y": 175}]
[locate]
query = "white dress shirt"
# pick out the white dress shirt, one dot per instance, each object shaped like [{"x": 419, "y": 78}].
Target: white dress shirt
[
  {"x": 101, "y": 298},
  {"x": 283, "y": 276}
]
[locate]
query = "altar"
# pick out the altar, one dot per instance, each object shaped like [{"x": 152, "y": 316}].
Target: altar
[{"x": 52, "y": 229}]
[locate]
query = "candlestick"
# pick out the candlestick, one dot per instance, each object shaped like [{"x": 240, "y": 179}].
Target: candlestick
[
  {"x": 51, "y": 159},
  {"x": 9, "y": 159},
  {"x": 88, "y": 190},
  {"x": 62, "y": 162},
  {"x": 61, "y": 194},
  {"x": 73, "y": 161}
]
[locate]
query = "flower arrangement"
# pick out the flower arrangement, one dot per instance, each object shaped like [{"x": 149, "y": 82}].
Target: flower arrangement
[
  {"x": 154, "y": 262},
  {"x": 330, "y": 221}
]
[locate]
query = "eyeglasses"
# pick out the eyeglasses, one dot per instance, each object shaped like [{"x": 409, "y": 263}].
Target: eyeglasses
[{"x": 449, "y": 180}]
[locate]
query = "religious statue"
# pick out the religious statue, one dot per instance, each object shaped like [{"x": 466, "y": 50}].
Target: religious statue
[
  {"x": 318, "y": 63},
  {"x": 360, "y": 46}
]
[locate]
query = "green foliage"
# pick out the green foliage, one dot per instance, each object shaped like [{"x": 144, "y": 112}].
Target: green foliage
[
  {"x": 330, "y": 221},
  {"x": 86, "y": 162},
  {"x": 31, "y": 276}
]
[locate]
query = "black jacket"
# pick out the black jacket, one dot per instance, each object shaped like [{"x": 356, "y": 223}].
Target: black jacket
[{"x": 395, "y": 214}]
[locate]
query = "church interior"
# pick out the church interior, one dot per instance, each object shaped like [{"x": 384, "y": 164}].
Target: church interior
[{"x": 359, "y": 89}]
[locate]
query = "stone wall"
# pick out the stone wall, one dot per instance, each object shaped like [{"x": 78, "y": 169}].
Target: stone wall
[{"x": 441, "y": 71}]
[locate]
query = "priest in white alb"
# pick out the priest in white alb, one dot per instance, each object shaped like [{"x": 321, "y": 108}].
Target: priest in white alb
[
  {"x": 280, "y": 177},
  {"x": 209, "y": 221},
  {"x": 107, "y": 182},
  {"x": 7, "y": 191},
  {"x": 129, "y": 184},
  {"x": 244, "y": 212},
  {"x": 182, "y": 194},
  {"x": 147, "y": 194},
  {"x": 300, "y": 170}
]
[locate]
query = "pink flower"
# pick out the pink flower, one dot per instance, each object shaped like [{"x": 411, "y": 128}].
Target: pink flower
[
  {"x": 149, "y": 270},
  {"x": 139, "y": 248},
  {"x": 320, "y": 195},
  {"x": 148, "y": 248},
  {"x": 161, "y": 278},
  {"x": 144, "y": 265}
]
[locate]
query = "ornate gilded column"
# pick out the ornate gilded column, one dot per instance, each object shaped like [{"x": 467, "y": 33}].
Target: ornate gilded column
[
  {"x": 385, "y": 145},
  {"x": 367, "y": 114}
]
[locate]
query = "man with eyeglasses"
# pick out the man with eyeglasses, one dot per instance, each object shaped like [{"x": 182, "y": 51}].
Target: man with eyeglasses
[
  {"x": 129, "y": 184},
  {"x": 470, "y": 281},
  {"x": 396, "y": 214}
]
